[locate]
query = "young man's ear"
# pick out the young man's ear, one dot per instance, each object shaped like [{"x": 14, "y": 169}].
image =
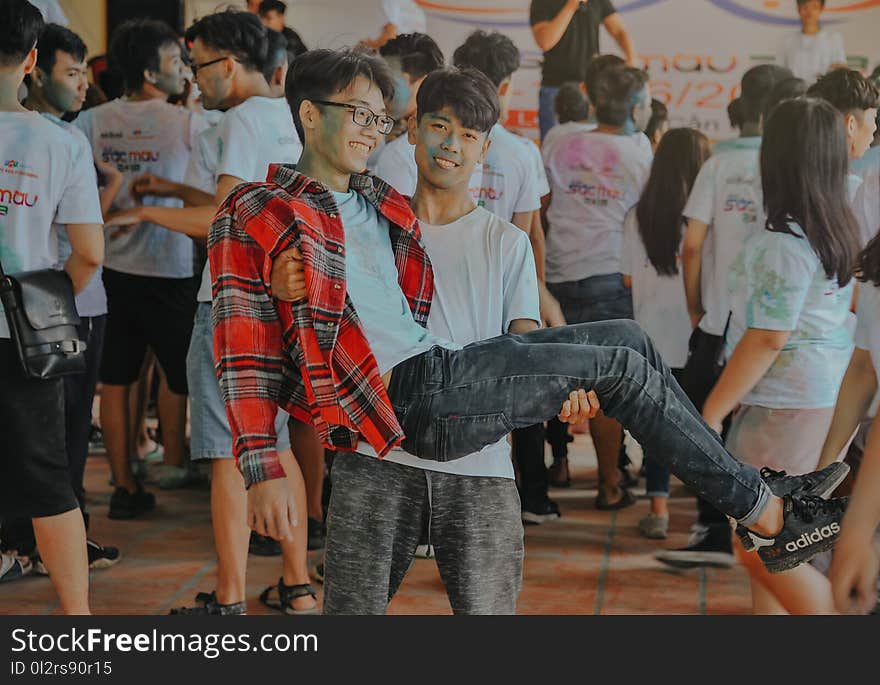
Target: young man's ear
[
  {"x": 852, "y": 123},
  {"x": 486, "y": 145},
  {"x": 504, "y": 87},
  {"x": 30, "y": 62},
  {"x": 412, "y": 127},
  {"x": 308, "y": 115}
]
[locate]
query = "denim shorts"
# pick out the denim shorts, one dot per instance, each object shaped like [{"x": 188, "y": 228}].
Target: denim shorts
[
  {"x": 597, "y": 298},
  {"x": 211, "y": 437}
]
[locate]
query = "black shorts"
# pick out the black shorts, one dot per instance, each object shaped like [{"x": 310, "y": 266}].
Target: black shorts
[
  {"x": 34, "y": 475},
  {"x": 146, "y": 311}
]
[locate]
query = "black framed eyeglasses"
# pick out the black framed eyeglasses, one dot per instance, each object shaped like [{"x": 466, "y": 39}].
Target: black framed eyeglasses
[
  {"x": 364, "y": 116},
  {"x": 195, "y": 67}
]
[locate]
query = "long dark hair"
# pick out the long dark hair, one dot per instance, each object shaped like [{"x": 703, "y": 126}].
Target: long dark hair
[
  {"x": 681, "y": 153},
  {"x": 804, "y": 167}
]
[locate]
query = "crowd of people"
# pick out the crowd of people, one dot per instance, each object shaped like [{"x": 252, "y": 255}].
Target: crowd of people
[{"x": 343, "y": 257}]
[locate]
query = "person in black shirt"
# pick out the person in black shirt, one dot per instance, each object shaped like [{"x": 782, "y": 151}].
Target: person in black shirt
[
  {"x": 272, "y": 15},
  {"x": 567, "y": 31}
]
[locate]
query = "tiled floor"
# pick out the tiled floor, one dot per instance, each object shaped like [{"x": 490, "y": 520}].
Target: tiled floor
[{"x": 587, "y": 562}]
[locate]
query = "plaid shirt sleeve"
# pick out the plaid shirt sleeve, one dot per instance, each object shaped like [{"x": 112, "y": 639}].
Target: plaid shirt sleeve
[{"x": 247, "y": 330}]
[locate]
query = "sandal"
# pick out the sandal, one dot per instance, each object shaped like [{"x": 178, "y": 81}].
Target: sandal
[
  {"x": 627, "y": 499},
  {"x": 286, "y": 595},
  {"x": 210, "y": 607},
  {"x": 263, "y": 546},
  {"x": 13, "y": 567}
]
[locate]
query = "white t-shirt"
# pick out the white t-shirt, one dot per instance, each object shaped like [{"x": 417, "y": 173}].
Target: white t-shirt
[
  {"x": 809, "y": 57},
  {"x": 726, "y": 196},
  {"x": 92, "y": 300},
  {"x": 561, "y": 130},
  {"x": 866, "y": 204},
  {"x": 249, "y": 137},
  {"x": 659, "y": 302},
  {"x": 406, "y": 15},
  {"x": 778, "y": 283},
  {"x": 43, "y": 182},
  {"x": 596, "y": 178},
  {"x": 51, "y": 11},
  {"x": 141, "y": 137},
  {"x": 508, "y": 182},
  {"x": 478, "y": 293},
  {"x": 867, "y": 336}
]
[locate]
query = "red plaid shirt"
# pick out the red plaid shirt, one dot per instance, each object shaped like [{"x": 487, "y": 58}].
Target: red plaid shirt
[{"x": 310, "y": 358}]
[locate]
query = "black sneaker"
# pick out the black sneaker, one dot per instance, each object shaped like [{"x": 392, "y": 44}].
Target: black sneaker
[
  {"x": 263, "y": 546},
  {"x": 207, "y": 605},
  {"x": 536, "y": 513},
  {"x": 129, "y": 505},
  {"x": 817, "y": 484},
  {"x": 707, "y": 547},
  {"x": 811, "y": 525},
  {"x": 317, "y": 534},
  {"x": 100, "y": 556}
]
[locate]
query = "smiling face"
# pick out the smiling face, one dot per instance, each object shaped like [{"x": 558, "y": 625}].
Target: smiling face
[
  {"x": 446, "y": 152},
  {"x": 65, "y": 87},
  {"x": 332, "y": 132}
]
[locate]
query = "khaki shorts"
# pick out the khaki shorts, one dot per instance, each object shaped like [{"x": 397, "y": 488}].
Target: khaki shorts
[{"x": 787, "y": 440}]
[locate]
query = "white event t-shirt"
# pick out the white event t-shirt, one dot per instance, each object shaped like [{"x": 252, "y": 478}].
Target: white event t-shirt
[
  {"x": 659, "y": 302},
  {"x": 478, "y": 293},
  {"x": 595, "y": 178},
  {"x": 92, "y": 300},
  {"x": 727, "y": 197},
  {"x": 248, "y": 138},
  {"x": 778, "y": 283},
  {"x": 139, "y": 137},
  {"x": 406, "y": 15},
  {"x": 42, "y": 183},
  {"x": 809, "y": 57},
  {"x": 866, "y": 204}
]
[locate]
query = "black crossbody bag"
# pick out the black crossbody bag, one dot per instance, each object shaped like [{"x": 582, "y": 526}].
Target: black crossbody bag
[{"x": 41, "y": 312}]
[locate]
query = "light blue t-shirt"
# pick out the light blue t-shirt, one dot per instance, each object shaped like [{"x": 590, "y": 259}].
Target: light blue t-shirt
[
  {"x": 778, "y": 283},
  {"x": 371, "y": 278}
]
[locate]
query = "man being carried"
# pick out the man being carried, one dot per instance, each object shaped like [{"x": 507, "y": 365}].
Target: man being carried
[{"x": 354, "y": 359}]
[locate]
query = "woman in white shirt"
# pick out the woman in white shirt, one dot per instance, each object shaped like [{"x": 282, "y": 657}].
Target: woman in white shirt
[
  {"x": 651, "y": 267},
  {"x": 788, "y": 341}
]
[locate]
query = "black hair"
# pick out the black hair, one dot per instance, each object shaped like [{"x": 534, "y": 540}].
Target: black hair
[
  {"x": 786, "y": 89},
  {"x": 804, "y": 167},
  {"x": 615, "y": 90},
  {"x": 53, "y": 38},
  {"x": 659, "y": 117},
  {"x": 319, "y": 74},
  {"x": 22, "y": 24},
  {"x": 271, "y": 6},
  {"x": 596, "y": 66},
  {"x": 134, "y": 48},
  {"x": 494, "y": 54},
  {"x": 419, "y": 54},
  {"x": 804, "y": 2},
  {"x": 240, "y": 33},
  {"x": 756, "y": 85},
  {"x": 468, "y": 92},
  {"x": 571, "y": 104},
  {"x": 734, "y": 115},
  {"x": 276, "y": 53},
  {"x": 847, "y": 90},
  {"x": 679, "y": 157}
]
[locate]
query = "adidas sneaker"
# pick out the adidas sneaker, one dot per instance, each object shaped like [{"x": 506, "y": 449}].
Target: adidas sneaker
[{"x": 811, "y": 525}]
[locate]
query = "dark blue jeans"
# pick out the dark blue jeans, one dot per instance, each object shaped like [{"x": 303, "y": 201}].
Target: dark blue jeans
[
  {"x": 452, "y": 403},
  {"x": 547, "y": 108}
]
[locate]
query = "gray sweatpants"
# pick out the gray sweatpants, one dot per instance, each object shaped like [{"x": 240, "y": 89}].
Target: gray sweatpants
[{"x": 374, "y": 523}]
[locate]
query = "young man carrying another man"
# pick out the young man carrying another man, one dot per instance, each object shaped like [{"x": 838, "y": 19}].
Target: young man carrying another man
[{"x": 354, "y": 359}]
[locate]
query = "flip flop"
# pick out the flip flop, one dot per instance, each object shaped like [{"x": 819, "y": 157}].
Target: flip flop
[
  {"x": 284, "y": 596},
  {"x": 13, "y": 567},
  {"x": 627, "y": 500}
]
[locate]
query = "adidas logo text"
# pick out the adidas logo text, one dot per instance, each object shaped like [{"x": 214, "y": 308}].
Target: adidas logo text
[{"x": 817, "y": 535}]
